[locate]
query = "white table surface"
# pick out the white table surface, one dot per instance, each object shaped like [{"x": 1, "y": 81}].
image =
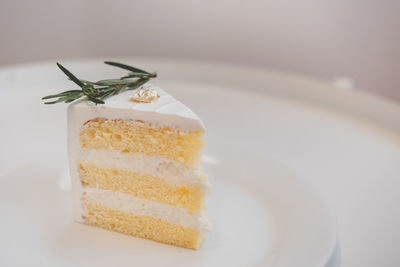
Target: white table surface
[{"x": 348, "y": 147}]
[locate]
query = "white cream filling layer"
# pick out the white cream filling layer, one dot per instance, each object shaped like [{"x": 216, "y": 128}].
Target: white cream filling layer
[
  {"x": 138, "y": 206},
  {"x": 163, "y": 168}
]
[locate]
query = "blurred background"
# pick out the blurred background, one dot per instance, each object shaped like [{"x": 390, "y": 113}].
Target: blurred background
[{"x": 353, "y": 43}]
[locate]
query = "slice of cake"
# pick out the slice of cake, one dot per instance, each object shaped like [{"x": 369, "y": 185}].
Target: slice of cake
[{"x": 135, "y": 166}]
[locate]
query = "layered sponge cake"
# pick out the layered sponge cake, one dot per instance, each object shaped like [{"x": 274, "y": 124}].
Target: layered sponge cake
[{"x": 136, "y": 168}]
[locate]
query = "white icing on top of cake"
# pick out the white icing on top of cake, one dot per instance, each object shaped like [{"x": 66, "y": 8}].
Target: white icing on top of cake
[
  {"x": 138, "y": 206},
  {"x": 166, "y": 111},
  {"x": 169, "y": 170}
]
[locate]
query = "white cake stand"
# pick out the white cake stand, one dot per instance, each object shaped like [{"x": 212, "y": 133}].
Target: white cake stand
[{"x": 285, "y": 155}]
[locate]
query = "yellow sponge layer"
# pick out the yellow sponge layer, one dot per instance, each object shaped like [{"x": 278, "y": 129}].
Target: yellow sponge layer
[
  {"x": 139, "y": 137},
  {"x": 188, "y": 196},
  {"x": 141, "y": 226}
]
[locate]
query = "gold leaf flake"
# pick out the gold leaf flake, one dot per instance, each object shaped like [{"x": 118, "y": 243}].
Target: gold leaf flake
[{"x": 145, "y": 96}]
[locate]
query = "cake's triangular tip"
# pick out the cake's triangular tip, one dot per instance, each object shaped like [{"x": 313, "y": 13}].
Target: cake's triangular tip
[{"x": 175, "y": 106}]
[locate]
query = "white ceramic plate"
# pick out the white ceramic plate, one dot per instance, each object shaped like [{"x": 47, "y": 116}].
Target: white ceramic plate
[{"x": 263, "y": 213}]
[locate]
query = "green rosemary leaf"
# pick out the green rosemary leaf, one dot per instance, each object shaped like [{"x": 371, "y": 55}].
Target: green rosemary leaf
[
  {"x": 95, "y": 100},
  {"x": 84, "y": 81},
  {"x": 63, "y": 99},
  {"x": 135, "y": 75},
  {"x": 68, "y": 97},
  {"x": 106, "y": 89},
  {"x": 70, "y": 92},
  {"x": 126, "y": 67},
  {"x": 113, "y": 82},
  {"x": 70, "y": 75},
  {"x": 49, "y": 103},
  {"x": 69, "y": 100}
]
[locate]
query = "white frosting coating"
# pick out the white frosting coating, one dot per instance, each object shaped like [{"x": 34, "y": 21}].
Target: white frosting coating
[
  {"x": 137, "y": 206},
  {"x": 166, "y": 111},
  {"x": 169, "y": 170}
]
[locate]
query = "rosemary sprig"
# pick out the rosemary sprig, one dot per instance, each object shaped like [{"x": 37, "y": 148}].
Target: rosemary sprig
[{"x": 100, "y": 90}]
